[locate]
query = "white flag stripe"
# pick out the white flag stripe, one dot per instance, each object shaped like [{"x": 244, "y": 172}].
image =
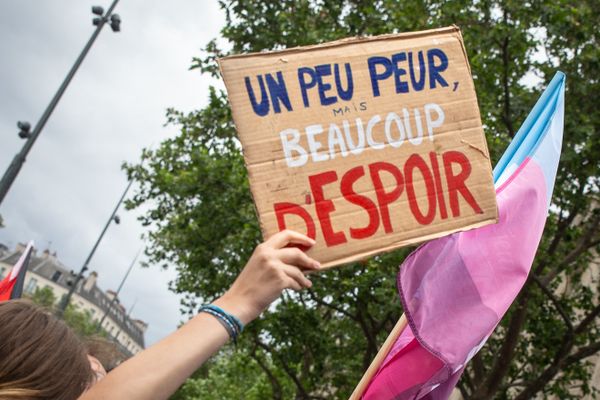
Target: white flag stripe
[{"x": 15, "y": 271}]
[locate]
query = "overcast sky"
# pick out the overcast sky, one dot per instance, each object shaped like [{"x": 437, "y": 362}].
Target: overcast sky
[{"x": 113, "y": 108}]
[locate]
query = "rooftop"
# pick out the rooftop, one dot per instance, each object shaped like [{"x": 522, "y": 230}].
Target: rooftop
[{"x": 49, "y": 267}]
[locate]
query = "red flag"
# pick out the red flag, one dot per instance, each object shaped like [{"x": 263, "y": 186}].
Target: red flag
[{"x": 11, "y": 287}]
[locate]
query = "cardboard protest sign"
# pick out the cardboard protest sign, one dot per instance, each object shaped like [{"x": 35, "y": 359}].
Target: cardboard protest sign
[{"x": 365, "y": 144}]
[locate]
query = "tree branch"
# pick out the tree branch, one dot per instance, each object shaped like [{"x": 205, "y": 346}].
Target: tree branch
[
  {"x": 555, "y": 302},
  {"x": 594, "y": 243},
  {"x": 584, "y": 243},
  {"x": 323, "y": 303},
  {"x": 500, "y": 368},
  {"x": 563, "y": 224},
  {"x": 562, "y": 358},
  {"x": 463, "y": 390},
  {"x": 301, "y": 391},
  {"x": 591, "y": 317},
  {"x": 558, "y": 236},
  {"x": 379, "y": 326},
  {"x": 582, "y": 353},
  {"x": 506, "y": 62},
  {"x": 546, "y": 376},
  {"x": 275, "y": 385},
  {"x": 371, "y": 341},
  {"x": 478, "y": 367}
]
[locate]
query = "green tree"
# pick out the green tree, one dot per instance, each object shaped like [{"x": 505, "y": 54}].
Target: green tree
[
  {"x": 44, "y": 297},
  {"x": 80, "y": 321},
  {"x": 317, "y": 344},
  {"x": 232, "y": 375}
]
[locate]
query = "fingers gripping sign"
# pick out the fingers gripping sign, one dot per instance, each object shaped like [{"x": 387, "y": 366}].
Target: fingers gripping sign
[
  {"x": 291, "y": 259},
  {"x": 289, "y": 238},
  {"x": 276, "y": 264}
]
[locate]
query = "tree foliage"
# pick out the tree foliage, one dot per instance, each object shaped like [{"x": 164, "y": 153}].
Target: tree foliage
[
  {"x": 80, "y": 321},
  {"x": 317, "y": 344}
]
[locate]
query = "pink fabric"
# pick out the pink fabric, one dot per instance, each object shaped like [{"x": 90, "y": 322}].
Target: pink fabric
[
  {"x": 408, "y": 367},
  {"x": 456, "y": 289}
]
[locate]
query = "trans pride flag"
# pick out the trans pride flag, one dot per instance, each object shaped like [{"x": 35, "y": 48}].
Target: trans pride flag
[{"x": 456, "y": 289}]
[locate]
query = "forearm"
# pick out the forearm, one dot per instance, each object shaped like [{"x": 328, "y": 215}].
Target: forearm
[{"x": 158, "y": 371}]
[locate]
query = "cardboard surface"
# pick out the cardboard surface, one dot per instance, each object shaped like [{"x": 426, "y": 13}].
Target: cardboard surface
[{"x": 366, "y": 144}]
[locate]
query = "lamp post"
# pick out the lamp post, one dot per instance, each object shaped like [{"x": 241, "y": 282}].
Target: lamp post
[
  {"x": 114, "y": 299},
  {"x": 25, "y": 128},
  {"x": 115, "y": 338},
  {"x": 113, "y": 217}
]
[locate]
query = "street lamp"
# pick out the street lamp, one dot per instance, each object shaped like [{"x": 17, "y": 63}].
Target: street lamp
[
  {"x": 114, "y": 20},
  {"x": 24, "y": 127},
  {"x": 113, "y": 218}
]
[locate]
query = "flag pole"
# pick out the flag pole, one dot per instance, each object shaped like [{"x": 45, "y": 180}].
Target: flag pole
[
  {"x": 113, "y": 217},
  {"x": 115, "y": 297},
  {"x": 378, "y": 360}
]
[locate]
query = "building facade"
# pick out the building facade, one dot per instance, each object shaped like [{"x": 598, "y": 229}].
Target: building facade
[{"x": 45, "y": 270}]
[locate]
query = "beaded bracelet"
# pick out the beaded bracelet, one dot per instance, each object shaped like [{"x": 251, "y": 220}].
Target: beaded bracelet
[
  {"x": 231, "y": 318},
  {"x": 231, "y": 330},
  {"x": 232, "y": 325}
]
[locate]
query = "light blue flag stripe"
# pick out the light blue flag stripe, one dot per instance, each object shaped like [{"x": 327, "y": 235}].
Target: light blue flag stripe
[{"x": 532, "y": 131}]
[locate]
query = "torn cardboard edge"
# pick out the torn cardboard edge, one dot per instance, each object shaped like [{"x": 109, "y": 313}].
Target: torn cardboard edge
[{"x": 347, "y": 41}]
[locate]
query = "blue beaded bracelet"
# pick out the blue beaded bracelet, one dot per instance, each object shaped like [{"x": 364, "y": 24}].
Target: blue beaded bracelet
[
  {"x": 231, "y": 318},
  {"x": 231, "y": 331},
  {"x": 232, "y": 325}
]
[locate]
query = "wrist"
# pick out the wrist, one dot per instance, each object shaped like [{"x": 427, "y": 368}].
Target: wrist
[
  {"x": 236, "y": 307},
  {"x": 232, "y": 324}
]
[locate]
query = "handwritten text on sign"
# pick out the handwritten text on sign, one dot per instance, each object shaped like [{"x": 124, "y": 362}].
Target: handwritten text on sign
[{"x": 366, "y": 145}]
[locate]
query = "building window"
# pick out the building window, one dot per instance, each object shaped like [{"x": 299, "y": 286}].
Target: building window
[
  {"x": 31, "y": 286},
  {"x": 56, "y": 276}
]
